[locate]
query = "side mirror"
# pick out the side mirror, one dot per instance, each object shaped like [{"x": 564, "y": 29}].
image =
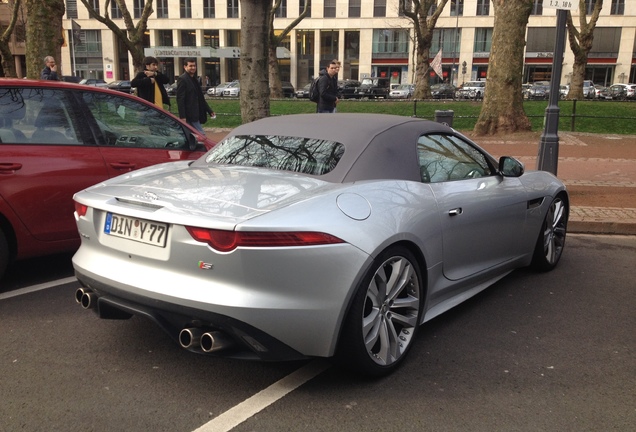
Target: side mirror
[
  {"x": 510, "y": 167},
  {"x": 192, "y": 142}
]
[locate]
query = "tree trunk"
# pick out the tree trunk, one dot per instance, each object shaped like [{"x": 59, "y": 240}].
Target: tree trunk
[
  {"x": 44, "y": 34},
  {"x": 581, "y": 43},
  {"x": 276, "y": 88},
  {"x": 502, "y": 109},
  {"x": 8, "y": 63},
  {"x": 423, "y": 26},
  {"x": 254, "y": 59}
]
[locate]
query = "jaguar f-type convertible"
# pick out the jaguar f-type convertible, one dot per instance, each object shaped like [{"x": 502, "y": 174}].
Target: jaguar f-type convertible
[{"x": 314, "y": 235}]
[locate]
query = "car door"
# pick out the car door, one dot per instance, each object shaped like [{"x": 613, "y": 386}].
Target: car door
[
  {"x": 133, "y": 134},
  {"x": 45, "y": 157},
  {"x": 482, "y": 214}
]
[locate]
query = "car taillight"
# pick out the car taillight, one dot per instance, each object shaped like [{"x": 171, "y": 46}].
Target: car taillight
[
  {"x": 226, "y": 241},
  {"x": 80, "y": 209}
]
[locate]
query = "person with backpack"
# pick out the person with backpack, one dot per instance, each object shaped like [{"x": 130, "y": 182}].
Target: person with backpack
[{"x": 328, "y": 88}]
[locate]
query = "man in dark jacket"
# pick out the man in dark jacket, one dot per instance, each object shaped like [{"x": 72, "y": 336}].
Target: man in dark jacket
[
  {"x": 192, "y": 106},
  {"x": 328, "y": 88},
  {"x": 149, "y": 83},
  {"x": 50, "y": 69}
]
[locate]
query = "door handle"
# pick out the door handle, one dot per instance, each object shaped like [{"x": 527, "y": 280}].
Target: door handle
[
  {"x": 456, "y": 211},
  {"x": 9, "y": 168},
  {"x": 123, "y": 165}
]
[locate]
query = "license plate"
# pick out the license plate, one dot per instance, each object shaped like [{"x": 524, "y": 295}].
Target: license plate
[{"x": 141, "y": 230}]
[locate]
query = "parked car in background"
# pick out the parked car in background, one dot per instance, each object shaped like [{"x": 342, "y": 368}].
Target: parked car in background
[
  {"x": 471, "y": 90},
  {"x": 600, "y": 91},
  {"x": 564, "y": 90},
  {"x": 402, "y": 91},
  {"x": 94, "y": 82},
  {"x": 589, "y": 91},
  {"x": 539, "y": 90},
  {"x": 373, "y": 88},
  {"x": 218, "y": 90},
  {"x": 622, "y": 91},
  {"x": 347, "y": 88},
  {"x": 121, "y": 85},
  {"x": 71, "y": 78},
  {"x": 58, "y": 138},
  {"x": 315, "y": 236},
  {"x": 303, "y": 93},
  {"x": 443, "y": 91},
  {"x": 171, "y": 89},
  {"x": 233, "y": 89},
  {"x": 288, "y": 89}
]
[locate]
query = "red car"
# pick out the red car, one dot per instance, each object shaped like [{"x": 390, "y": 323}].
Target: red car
[{"x": 58, "y": 138}]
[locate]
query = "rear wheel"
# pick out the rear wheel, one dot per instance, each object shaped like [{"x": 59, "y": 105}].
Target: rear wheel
[
  {"x": 551, "y": 240},
  {"x": 381, "y": 325}
]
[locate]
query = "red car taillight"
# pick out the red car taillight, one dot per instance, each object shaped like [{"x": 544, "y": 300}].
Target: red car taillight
[
  {"x": 226, "y": 241},
  {"x": 80, "y": 209}
]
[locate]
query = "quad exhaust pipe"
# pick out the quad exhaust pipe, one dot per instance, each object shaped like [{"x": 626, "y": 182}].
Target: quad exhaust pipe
[
  {"x": 86, "y": 298},
  {"x": 210, "y": 341}
]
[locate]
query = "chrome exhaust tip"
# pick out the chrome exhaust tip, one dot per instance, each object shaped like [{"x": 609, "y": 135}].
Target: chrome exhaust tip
[
  {"x": 86, "y": 298},
  {"x": 190, "y": 337},
  {"x": 215, "y": 341}
]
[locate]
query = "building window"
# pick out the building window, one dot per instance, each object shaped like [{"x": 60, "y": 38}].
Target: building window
[
  {"x": 483, "y": 39},
  {"x": 95, "y": 4},
  {"x": 71, "y": 8},
  {"x": 232, "y": 8},
  {"x": 281, "y": 11},
  {"x": 138, "y": 8},
  {"x": 115, "y": 12},
  {"x": 162, "y": 8},
  {"x": 379, "y": 8},
  {"x": 208, "y": 9},
  {"x": 185, "y": 8},
  {"x": 483, "y": 7},
  {"x": 354, "y": 8},
  {"x": 589, "y": 6},
  {"x": 211, "y": 38},
  {"x": 301, "y": 7},
  {"x": 537, "y": 7},
  {"x": 392, "y": 42},
  {"x": 457, "y": 8},
  {"x": 164, "y": 38},
  {"x": 188, "y": 38},
  {"x": 618, "y": 7},
  {"x": 329, "y": 9},
  {"x": 447, "y": 39}
]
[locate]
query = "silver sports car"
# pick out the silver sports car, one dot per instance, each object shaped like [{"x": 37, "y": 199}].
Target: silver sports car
[{"x": 314, "y": 236}]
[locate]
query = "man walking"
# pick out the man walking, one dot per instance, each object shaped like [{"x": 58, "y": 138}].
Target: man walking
[
  {"x": 149, "y": 83},
  {"x": 50, "y": 69},
  {"x": 328, "y": 89},
  {"x": 192, "y": 105}
]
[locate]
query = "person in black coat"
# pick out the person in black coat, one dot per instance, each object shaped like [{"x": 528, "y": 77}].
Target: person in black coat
[
  {"x": 328, "y": 89},
  {"x": 50, "y": 70},
  {"x": 150, "y": 83},
  {"x": 191, "y": 103}
]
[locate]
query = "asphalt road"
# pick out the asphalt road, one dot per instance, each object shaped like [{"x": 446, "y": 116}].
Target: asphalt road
[{"x": 534, "y": 352}]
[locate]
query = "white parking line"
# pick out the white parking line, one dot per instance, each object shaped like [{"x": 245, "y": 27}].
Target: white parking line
[
  {"x": 261, "y": 400},
  {"x": 38, "y": 287}
]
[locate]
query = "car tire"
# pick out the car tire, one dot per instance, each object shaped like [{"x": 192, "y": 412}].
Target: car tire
[
  {"x": 551, "y": 239},
  {"x": 4, "y": 254},
  {"x": 384, "y": 315}
]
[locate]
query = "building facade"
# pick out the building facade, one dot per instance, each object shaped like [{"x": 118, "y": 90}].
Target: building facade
[{"x": 368, "y": 36}]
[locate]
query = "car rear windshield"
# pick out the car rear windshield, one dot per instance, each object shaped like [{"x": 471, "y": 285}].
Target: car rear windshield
[{"x": 297, "y": 154}]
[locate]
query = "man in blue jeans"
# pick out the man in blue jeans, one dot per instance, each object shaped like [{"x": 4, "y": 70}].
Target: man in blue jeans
[
  {"x": 192, "y": 106},
  {"x": 328, "y": 89}
]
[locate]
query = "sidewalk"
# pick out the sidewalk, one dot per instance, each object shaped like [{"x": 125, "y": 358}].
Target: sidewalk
[{"x": 598, "y": 170}]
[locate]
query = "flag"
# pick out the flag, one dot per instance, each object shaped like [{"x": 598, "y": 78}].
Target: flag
[
  {"x": 436, "y": 64},
  {"x": 77, "y": 37}
]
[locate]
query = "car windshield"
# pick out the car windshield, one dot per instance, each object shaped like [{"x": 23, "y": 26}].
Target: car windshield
[{"x": 297, "y": 154}]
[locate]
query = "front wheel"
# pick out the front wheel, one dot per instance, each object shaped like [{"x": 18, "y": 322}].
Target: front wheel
[
  {"x": 384, "y": 316},
  {"x": 551, "y": 240}
]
